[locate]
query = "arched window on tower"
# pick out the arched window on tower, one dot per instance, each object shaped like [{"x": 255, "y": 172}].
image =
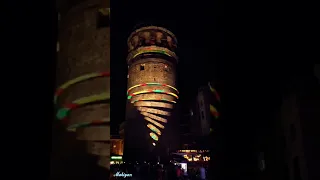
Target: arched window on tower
[
  {"x": 142, "y": 67},
  {"x": 166, "y": 68}
]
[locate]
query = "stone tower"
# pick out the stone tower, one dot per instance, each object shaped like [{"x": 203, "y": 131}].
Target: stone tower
[
  {"x": 83, "y": 83},
  {"x": 152, "y": 91}
]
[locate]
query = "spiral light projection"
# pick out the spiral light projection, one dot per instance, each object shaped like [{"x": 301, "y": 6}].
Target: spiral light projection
[
  {"x": 64, "y": 111},
  {"x": 145, "y": 104},
  {"x": 95, "y": 146},
  {"x": 151, "y": 76}
]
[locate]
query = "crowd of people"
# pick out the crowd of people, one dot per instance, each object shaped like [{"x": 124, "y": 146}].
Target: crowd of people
[{"x": 147, "y": 171}]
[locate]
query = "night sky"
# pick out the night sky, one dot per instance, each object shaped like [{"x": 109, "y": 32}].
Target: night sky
[{"x": 198, "y": 44}]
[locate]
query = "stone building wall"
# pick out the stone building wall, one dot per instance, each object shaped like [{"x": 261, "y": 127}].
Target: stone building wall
[
  {"x": 152, "y": 92},
  {"x": 84, "y": 48}
]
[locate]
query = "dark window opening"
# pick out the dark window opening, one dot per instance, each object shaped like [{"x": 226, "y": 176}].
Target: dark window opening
[
  {"x": 141, "y": 41},
  {"x": 296, "y": 169},
  {"x": 166, "y": 68},
  {"x": 103, "y": 18},
  {"x": 141, "y": 67},
  {"x": 293, "y": 133}
]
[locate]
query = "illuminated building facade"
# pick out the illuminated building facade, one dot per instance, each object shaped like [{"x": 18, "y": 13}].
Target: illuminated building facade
[
  {"x": 117, "y": 145},
  {"x": 152, "y": 92},
  {"x": 83, "y": 83},
  {"x": 116, "y": 160},
  {"x": 204, "y": 113},
  {"x": 214, "y": 107},
  {"x": 195, "y": 155},
  {"x": 202, "y": 123},
  {"x": 202, "y": 117}
]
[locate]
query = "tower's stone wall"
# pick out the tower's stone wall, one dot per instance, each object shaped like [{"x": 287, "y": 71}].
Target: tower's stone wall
[
  {"x": 84, "y": 48},
  {"x": 155, "y": 70},
  {"x": 151, "y": 83}
]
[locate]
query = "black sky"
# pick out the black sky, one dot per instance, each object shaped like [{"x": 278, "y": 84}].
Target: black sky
[{"x": 199, "y": 39}]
